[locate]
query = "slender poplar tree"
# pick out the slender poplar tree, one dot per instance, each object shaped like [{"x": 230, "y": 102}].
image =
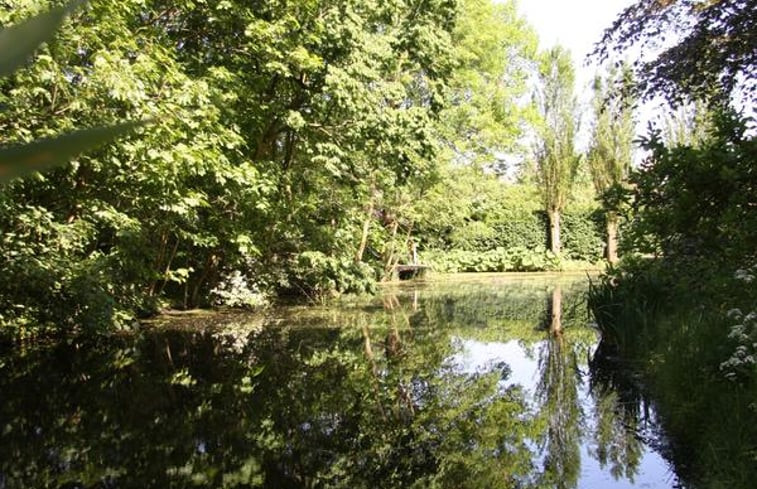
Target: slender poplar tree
[
  {"x": 611, "y": 151},
  {"x": 556, "y": 157}
]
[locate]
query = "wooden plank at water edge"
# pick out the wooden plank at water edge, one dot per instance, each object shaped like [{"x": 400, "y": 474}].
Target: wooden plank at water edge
[{"x": 407, "y": 272}]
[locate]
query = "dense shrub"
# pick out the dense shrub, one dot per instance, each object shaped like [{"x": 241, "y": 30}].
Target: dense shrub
[
  {"x": 53, "y": 281},
  {"x": 518, "y": 259},
  {"x": 583, "y": 234},
  {"x": 698, "y": 201},
  {"x": 317, "y": 276},
  {"x": 522, "y": 229}
]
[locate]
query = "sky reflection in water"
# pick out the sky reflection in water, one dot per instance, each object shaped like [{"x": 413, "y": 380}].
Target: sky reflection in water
[{"x": 477, "y": 357}]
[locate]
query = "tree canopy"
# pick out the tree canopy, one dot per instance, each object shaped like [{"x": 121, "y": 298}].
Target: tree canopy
[
  {"x": 291, "y": 146},
  {"x": 706, "y": 48}
]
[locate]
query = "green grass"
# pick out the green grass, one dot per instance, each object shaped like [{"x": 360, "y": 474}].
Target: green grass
[{"x": 676, "y": 332}]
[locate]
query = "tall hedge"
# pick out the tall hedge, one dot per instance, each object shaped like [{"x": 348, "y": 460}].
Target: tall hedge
[
  {"x": 583, "y": 234},
  {"x": 509, "y": 216}
]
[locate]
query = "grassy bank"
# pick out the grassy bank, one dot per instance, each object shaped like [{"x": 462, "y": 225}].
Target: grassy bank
[{"x": 692, "y": 336}]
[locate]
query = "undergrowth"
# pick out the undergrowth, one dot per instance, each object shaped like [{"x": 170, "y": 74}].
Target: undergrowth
[{"x": 677, "y": 324}]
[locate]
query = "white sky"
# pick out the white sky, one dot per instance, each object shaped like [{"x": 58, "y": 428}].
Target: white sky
[{"x": 575, "y": 24}]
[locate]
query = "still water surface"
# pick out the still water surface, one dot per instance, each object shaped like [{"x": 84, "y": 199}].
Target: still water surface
[{"x": 457, "y": 384}]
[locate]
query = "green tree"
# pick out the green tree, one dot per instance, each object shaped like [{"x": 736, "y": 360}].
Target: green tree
[
  {"x": 493, "y": 46},
  {"x": 343, "y": 121},
  {"x": 688, "y": 125},
  {"x": 556, "y": 157},
  {"x": 480, "y": 119},
  {"x": 611, "y": 152}
]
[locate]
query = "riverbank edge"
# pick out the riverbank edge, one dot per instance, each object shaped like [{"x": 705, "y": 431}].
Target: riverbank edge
[{"x": 168, "y": 315}]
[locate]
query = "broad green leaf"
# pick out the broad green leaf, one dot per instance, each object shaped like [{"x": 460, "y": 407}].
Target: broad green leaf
[
  {"x": 20, "y": 41},
  {"x": 44, "y": 153}
]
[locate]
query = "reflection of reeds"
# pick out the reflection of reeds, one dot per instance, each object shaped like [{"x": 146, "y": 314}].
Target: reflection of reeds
[{"x": 624, "y": 314}]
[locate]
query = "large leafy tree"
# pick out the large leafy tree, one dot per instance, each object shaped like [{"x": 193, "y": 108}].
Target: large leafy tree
[
  {"x": 493, "y": 48},
  {"x": 611, "y": 152},
  {"x": 480, "y": 119},
  {"x": 273, "y": 123},
  {"x": 556, "y": 156},
  {"x": 336, "y": 100}
]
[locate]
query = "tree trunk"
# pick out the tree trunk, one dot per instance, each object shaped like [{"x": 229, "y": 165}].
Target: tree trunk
[
  {"x": 555, "y": 310},
  {"x": 366, "y": 230},
  {"x": 390, "y": 260},
  {"x": 554, "y": 231},
  {"x": 612, "y": 238},
  {"x": 374, "y": 370}
]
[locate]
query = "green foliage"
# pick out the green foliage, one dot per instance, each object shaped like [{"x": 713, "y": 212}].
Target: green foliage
[
  {"x": 583, "y": 234},
  {"x": 483, "y": 119},
  {"x": 471, "y": 210},
  {"x": 489, "y": 224},
  {"x": 626, "y": 314},
  {"x": 44, "y": 284},
  {"x": 517, "y": 259},
  {"x": 611, "y": 152},
  {"x": 688, "y": 125},
  {"x": 697, "y": 201},
  {"x": 684, "y": 315},
  {"x": 556, "y": 157},
  {"x": 269, "y": 136},
  {"x": 295, "y": 148},
  {"x": 318, "y": 276},
  {"x": 17, "y": 44},
  {"x": 681, "y": 328}
]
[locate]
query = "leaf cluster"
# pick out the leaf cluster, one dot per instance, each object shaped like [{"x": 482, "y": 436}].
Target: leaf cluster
[
  {"x": 697, "y": 201},
  {"x": 706, "y": 48}
]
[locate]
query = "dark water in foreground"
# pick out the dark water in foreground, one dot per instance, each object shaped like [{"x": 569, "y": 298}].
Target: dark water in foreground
[{"x": 452, "y": 385}]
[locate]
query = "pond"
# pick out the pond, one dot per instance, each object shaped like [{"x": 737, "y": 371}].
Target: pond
[{"x": 452, "y": 384}]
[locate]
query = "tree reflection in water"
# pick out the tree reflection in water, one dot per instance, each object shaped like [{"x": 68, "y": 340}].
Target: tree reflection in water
[
  {"x": 623, "y": 416},
  {"x": 356, "y": 396},
  {"x": 557, "y": 393}
]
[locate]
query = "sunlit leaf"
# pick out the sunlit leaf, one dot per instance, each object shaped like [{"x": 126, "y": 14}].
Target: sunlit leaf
[
  {"x": 38, "y": 155},
  {"x": 20, "y": 41}
]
